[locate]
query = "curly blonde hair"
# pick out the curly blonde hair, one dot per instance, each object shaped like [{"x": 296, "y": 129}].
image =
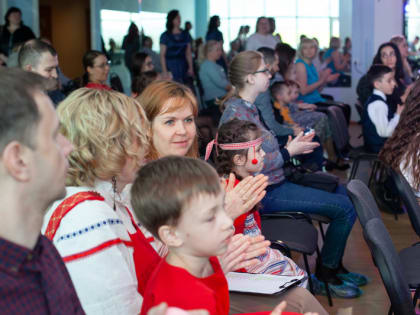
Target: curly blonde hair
[
  {"x": 154, "y": 99},
  {"x": 104, "y": 127}
]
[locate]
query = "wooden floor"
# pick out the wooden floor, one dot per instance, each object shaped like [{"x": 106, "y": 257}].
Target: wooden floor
[{"x": 357, "y": 258}]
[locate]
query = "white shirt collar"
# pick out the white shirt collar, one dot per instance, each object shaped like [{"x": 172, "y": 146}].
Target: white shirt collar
[{"x": 379, "y": 93}]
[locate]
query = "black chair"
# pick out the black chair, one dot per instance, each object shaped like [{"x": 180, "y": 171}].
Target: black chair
[
  {"x": 280, "y": 228},
  {"x": 409, "y": 199},
  {"x": 363, "y": 201},
  {"x": 321, "y": 221},
  {"x": 387, "y": 261},
  {"x": 367, "y": 210},
  {"x": 364, "y": 156}
]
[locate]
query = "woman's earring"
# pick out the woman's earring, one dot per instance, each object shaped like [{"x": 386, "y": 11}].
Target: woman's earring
[{"x": 114, "y": 189}]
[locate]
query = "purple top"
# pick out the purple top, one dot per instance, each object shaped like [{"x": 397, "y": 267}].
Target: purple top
[
  {"x": 35, "y": 281},
  {"x": 274, "y": 156}
]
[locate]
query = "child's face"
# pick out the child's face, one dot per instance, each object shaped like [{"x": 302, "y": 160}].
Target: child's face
[
  {"x": 295, "y": 93},
  {"x": 204, "y": 226},
  {"x": 253, "y": 169},
  {"x": 284, "y": 96},
  {"x": 386, "y": 84}
]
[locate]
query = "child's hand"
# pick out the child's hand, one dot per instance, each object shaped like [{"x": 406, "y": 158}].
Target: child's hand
[
  {"x": 244, "y": 196},
  {"x": 279, "y": 308},
  {"x": 163, "y": 309},
  {"x": 307, "y": 106},
  {"x": 406, "y": 92},
  {"x": 241, "y": 252},
  {"x": 400, "y": 108},
  {"x": 282, "y": 306}
]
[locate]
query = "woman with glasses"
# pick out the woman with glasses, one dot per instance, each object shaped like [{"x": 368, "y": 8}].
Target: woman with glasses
[
  {"x": 250, "y": 77},
  {"x": 96, "y": 67}
]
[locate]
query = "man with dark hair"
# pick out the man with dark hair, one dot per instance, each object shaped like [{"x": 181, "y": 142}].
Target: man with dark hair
[
  {"x": 40, "y": 57},
  {"x": 33, "y": 167}
]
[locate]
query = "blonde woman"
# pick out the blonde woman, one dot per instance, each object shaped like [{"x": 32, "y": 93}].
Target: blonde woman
[
  {"x": 213, "y": 78},
  {"x": 93, "y": 227},
  {"x": 311, "y": 83}
]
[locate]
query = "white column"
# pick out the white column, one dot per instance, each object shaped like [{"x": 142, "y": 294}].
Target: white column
[{"x": 95, "y": 24}]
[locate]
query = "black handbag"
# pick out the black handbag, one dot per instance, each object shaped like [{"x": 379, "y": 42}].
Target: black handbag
[{"x": 306, "y": 177}]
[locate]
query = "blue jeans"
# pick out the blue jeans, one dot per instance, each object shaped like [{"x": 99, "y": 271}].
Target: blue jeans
[{"x": 337, "y": 206}]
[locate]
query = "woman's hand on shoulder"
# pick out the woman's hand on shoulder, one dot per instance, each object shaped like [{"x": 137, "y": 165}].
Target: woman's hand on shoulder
[{"x": 243, "y": 197}]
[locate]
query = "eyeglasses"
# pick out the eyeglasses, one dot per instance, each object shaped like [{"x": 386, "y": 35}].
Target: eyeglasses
[
  {"x": 385, "y": 55},
  {"x": 265, "y": 70},
  {"x": 103, "y": 65}
]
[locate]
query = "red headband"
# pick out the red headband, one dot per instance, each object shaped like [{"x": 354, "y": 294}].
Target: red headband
[{"x": 231, "y": 146}]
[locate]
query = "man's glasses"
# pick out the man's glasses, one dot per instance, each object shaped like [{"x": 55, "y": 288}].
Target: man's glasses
[{"x": 265, "y": 70}]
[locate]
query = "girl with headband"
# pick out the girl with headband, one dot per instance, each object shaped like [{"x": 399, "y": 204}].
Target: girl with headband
[
  {"x": 237, "y": 150},
  {"x": 250, "y": 77}
]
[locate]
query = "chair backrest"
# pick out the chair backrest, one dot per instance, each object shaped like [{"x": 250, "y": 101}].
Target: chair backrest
[
  {"x": 363, "y": 201},
  {"x": 359, "y": 108},
  {"x": 339, "y": 128},
  {"x": 409, "y": 199},
  {"x": 389, "y": 265}
]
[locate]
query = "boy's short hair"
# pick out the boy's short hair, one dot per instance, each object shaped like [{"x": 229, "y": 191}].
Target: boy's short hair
[
  {"x": 293, "y": 83},
  {"x": 268, "y": 54},
  {"x": 164, "y": 187},
  {"x": 376, "y": 72},
  {"x": 277, "y": 87}
]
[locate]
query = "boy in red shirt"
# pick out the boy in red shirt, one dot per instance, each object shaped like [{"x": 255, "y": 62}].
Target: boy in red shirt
[{"x": 181, "y": 201}]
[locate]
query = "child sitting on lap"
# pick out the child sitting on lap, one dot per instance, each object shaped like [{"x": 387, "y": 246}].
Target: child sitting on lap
[{"x": 180, "y": 200}]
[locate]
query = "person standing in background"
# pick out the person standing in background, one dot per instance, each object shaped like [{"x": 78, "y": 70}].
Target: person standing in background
[
  {"x": 14, "y": 32},
  {"x": 213, "y": 33},
  {"x": 175, "y": 49},
  {"x": 262, "y": 37},
  {"x": 131, "y": 44}
]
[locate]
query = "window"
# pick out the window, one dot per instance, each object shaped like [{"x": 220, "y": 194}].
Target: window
[
  {"x": 293, "y": 18},
  {"x": 412, "y": 20},
  {"x": 115, "y": 25}
]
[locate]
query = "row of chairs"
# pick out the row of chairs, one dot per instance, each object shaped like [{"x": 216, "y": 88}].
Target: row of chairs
[{"x": 400, "y": 272}]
